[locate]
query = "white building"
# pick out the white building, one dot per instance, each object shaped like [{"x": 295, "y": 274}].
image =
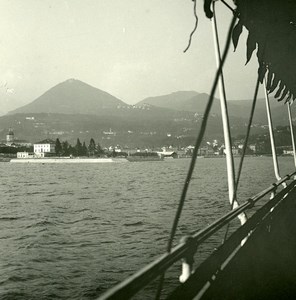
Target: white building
[
  {"x": 46, "y": 146},
  {"x": 29, "y": 155},
  {"x": 22, "y": 155}
]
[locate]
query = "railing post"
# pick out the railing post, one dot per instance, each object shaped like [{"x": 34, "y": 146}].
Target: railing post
[
  {"x": 188, "y": 260},
  {"x": 226, "y": 126},
  {"x": 292, "y": 132},
  {"x": 273, "y": 192},
  {"x": 271, "y": 135}
]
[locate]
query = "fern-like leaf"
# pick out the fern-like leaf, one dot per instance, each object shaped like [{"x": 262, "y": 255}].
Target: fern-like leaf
[{"x": 237, "y": 30}]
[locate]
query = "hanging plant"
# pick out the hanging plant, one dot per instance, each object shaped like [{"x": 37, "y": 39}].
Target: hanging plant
[{"x": 271, "y": 26}]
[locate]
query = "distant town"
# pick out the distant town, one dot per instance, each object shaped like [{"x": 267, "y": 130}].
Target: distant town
[
  {"x": 13, "y": 147},
  {"x": 101, "y": 125}
]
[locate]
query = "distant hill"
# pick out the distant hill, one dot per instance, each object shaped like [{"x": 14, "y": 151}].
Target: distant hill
[
  {"x": 74, "y": 109},
  {"x": 71, "y": 97},
  {"x": 135, "y": 127},
  {"x": 174, "y": 100},
  {"x": 196, "y": 102}
]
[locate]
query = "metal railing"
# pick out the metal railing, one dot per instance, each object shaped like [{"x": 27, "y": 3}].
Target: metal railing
[{"x": 187, "y": 247}]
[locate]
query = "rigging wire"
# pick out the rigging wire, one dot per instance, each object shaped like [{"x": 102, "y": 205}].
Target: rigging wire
[
  {"x": 195, "y": 27},
  {"x": 197, "y": 145},
  {"x": 200, "y": 136},
  {"x": 228, "y": 6}
]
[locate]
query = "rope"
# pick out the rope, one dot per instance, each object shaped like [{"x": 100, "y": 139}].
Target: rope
[
  {"x": 244, "y": 148},
  {"x": 228, "y": 6},
  {"x": 195, "y": 26},
  {"x": 197, "y": 145}
]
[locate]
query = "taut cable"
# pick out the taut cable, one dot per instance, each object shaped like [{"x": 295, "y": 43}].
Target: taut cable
[{"x": 197, "y": 145}]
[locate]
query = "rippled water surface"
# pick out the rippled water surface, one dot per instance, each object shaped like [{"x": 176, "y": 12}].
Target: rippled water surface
[{"x": 72, "y": 231}]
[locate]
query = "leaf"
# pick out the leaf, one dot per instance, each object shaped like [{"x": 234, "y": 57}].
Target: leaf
[
  {"x": 274, "y": 83},
  {"x": 280, "y": 88},
  {"x": 251, "y": 46},
  {"x": 207, "y": 8},
  {"x": 271, "y": 26},
  {"x": 237, "y": 30},
  {"x": 269, "y": 79},
  {"x": 284, "y": 94},
  {"x": 288, "y": 98},
  {"x": 260, "y": 52}
]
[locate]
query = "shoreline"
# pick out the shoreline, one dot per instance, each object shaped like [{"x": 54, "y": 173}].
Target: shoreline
[
  {"x": 106, "y": 160},
  {"x": 68, "y": 160}
]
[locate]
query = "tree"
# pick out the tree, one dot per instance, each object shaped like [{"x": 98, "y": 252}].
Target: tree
[
  {"x": 65, "y": 148},
  {"x": 71, "y": 150},
  {"x": 92, "y": 147},
  {"x": 58, "y": 147},
  {"x": 99, "y": 149},
  {"x": 78, "y": 148},
  {"x": 84, "y": 149}
]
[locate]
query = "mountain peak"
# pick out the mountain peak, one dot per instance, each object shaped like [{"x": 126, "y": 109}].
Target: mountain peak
[
  {"x": 71, "y": 80},
  {"x": 72, "y": 97}
]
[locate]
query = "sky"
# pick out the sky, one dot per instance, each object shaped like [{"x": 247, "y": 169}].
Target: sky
[{"x": 132, "y": 49}]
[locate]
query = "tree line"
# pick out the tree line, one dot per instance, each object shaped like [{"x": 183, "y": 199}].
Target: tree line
[{"x": 80, "y": 149}]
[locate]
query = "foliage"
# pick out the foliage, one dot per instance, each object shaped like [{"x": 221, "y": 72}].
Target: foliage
[
  {"x": 65, "y": 148},
  {"x": 84, "y": 150},
  {"x": 14, "y": 150},
  {"x": 272, "y": 30},
  {"x": 99, "y": 149},
  {"x": 92, "y": 147},
  {"x": 78, "y": 148},
  {"x": 58, "y": 147}
]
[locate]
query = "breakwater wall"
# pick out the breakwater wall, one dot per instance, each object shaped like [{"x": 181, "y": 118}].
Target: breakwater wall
[{"x": 68, "y": 160}]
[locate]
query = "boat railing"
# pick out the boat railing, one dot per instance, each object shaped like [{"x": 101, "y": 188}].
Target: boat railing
[
  {"x": 187, "y": 247},
  {"x": 208, "y": 269}
]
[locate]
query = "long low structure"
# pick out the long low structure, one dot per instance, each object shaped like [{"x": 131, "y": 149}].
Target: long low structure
[{"x": 68, "y": 160}]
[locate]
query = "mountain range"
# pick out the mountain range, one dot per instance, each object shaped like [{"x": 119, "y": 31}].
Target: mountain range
[
  {"x": 196, "y": 102},
  {"x": 74, "y": 109}
]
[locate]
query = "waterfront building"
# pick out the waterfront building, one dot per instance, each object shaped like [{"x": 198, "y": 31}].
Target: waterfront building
[
  {"x": 29, "y": 155},
  {"x": 205, "y": 151},
  {"x": 46, "y": 146}
]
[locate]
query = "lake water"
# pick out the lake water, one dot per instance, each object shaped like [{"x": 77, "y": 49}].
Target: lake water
[{"x": 72, "y": 231}]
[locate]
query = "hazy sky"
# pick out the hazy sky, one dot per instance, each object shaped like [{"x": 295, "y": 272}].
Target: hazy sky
[{"x": 132, "y": 49}]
